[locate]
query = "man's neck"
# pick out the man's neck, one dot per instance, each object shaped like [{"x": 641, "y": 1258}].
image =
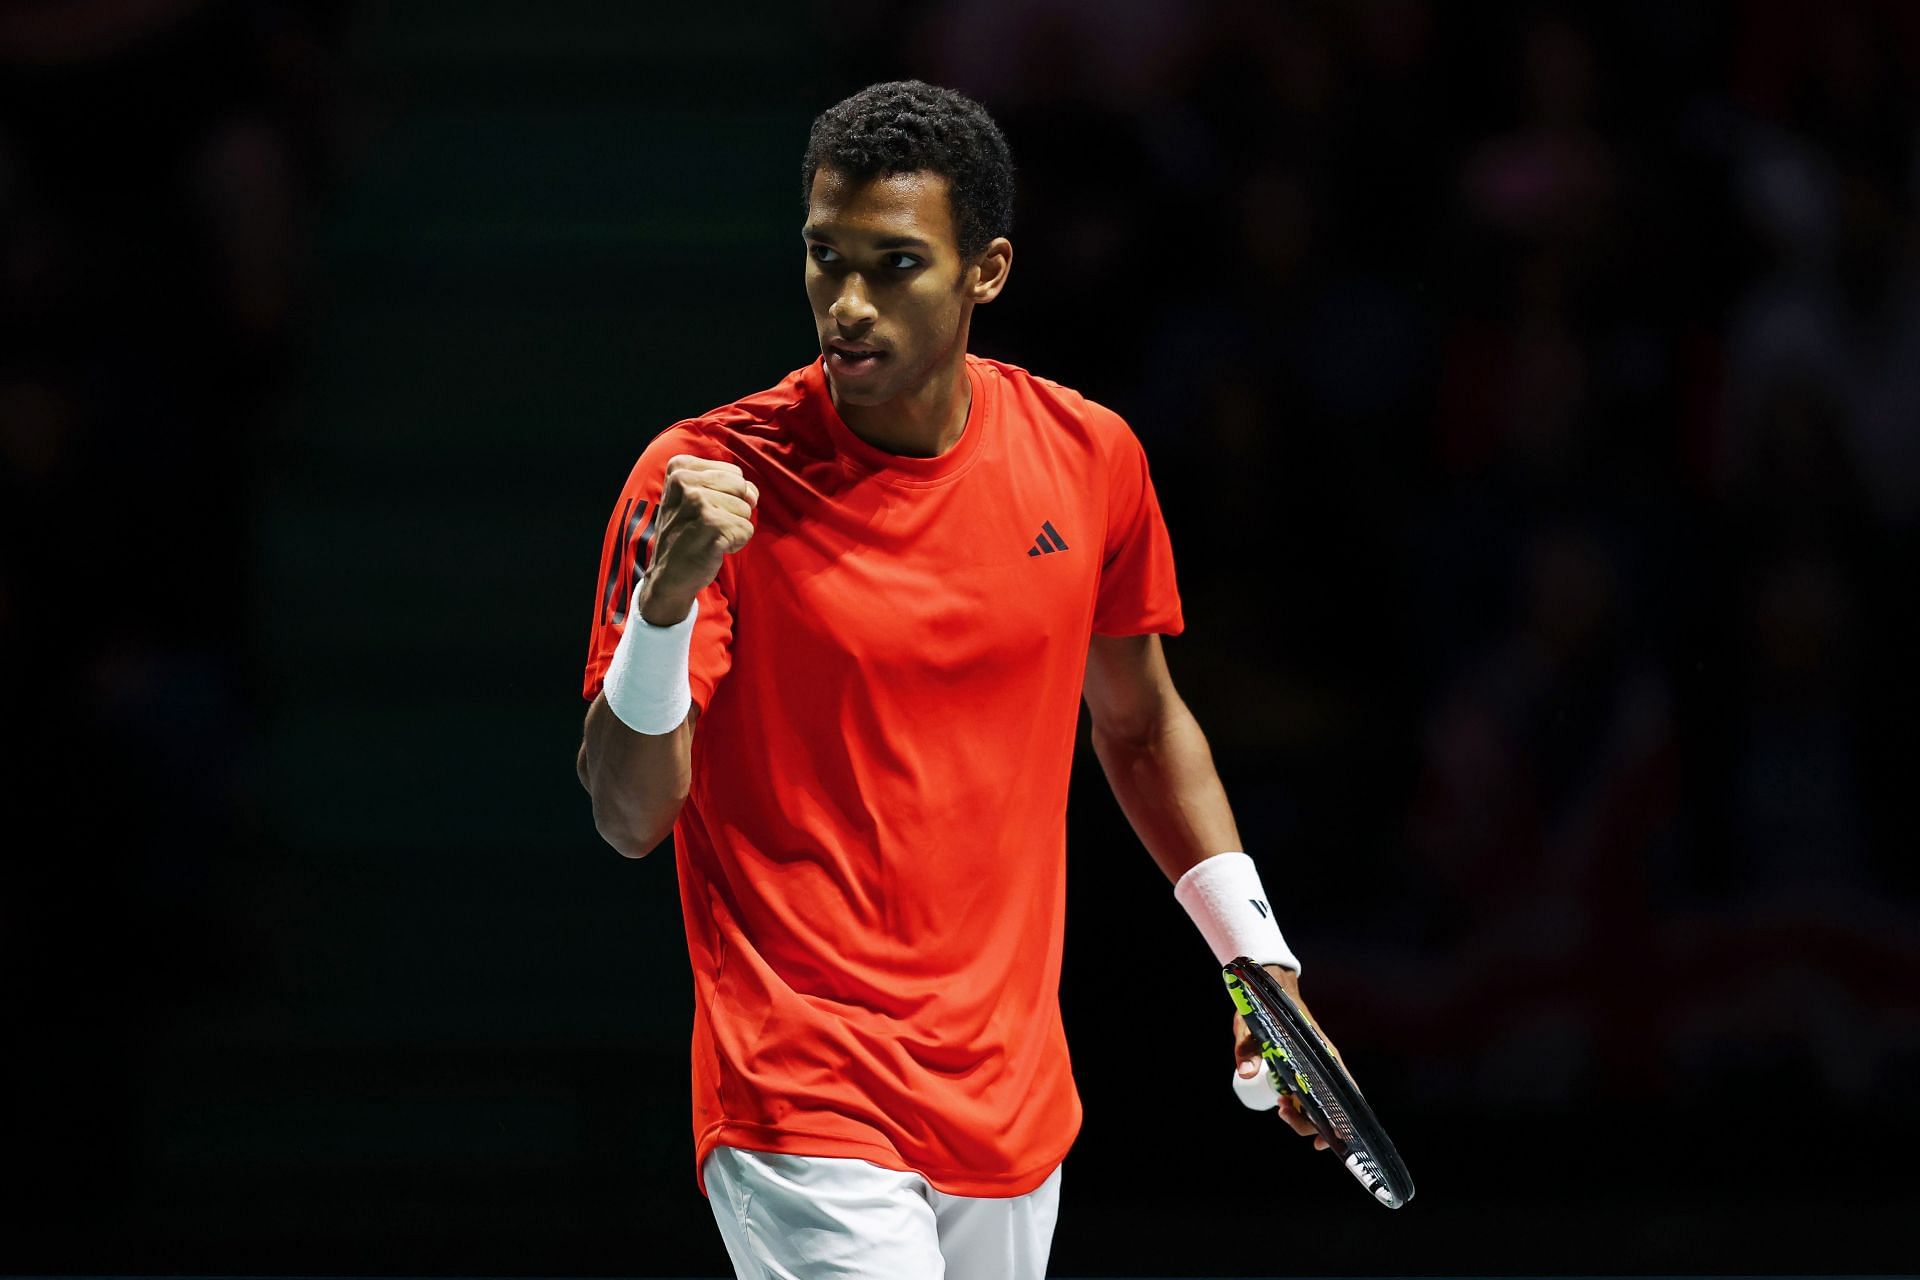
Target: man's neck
[{"x": 922, "y": 423}]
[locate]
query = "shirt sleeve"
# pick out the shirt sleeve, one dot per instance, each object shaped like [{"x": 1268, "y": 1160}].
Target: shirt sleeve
[
  {"x": 1137, "y": 593},
  {"x": 624, "y": 555}
]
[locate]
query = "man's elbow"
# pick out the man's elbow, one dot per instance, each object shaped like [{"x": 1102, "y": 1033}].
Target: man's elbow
[
  {"x": 633, "y": 835},
  {"x": 634, "y": 830},
  {"x": 1139, "y": 728}
]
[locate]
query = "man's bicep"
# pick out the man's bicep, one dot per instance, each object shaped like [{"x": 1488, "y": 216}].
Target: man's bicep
[{"x": 1128, "y": 688}]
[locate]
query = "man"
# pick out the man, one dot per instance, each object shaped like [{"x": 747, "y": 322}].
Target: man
[{"x": 841, "y": 636}]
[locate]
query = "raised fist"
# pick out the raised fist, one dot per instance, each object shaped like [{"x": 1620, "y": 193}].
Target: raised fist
[{"x": 705, "y": 515}]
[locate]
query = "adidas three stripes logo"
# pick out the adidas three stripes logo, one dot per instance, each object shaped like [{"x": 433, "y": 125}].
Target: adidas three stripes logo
[{"x": 1048, "y": 542}]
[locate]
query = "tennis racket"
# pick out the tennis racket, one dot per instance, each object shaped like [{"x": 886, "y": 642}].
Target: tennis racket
[{"x": 1300, "y": 1063}]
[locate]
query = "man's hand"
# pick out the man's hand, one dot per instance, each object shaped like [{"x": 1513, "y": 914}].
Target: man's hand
[
  {"x": 1247, "y": 1060},
  {"x": 705, "y": 515}
]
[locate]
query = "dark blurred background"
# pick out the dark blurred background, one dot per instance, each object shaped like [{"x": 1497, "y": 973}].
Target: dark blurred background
[{"x": 1534, "y": 395}]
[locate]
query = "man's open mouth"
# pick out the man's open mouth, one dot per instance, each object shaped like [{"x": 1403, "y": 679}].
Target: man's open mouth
[{"x": 852, "y": 360}]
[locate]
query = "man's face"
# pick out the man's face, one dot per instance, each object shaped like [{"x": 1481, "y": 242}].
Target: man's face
[{"x": 884, "y": 277}]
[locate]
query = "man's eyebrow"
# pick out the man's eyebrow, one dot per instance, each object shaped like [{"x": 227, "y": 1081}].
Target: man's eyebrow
[{"x": 886, "y": 242}]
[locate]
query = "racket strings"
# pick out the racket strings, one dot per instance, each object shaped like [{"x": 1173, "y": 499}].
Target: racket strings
[{"x": 1325, "y": 1097}]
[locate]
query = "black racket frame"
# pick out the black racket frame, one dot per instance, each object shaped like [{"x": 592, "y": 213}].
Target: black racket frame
[{"x": 1300, "y": 1063}]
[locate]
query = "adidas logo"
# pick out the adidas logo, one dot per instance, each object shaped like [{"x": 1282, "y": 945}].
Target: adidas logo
[{"x": 1048, "y": 542}]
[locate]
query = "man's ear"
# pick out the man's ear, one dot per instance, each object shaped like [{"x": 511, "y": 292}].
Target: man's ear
[{"x": 988, "y": 275}]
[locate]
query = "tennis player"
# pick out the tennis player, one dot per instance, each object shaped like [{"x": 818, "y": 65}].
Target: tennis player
[{"x": 840, "y": 637}]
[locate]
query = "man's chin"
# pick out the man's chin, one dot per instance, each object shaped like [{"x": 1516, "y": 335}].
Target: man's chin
[{"x": 848, "y": 391}]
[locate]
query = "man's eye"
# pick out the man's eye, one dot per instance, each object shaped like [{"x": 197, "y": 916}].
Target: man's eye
[
  {"x": 822, "y": 254},
  {"x": 902, "y": 261}
]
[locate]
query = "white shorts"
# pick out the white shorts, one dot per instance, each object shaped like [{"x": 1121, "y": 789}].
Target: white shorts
[{"x": 806, "y": 1217}]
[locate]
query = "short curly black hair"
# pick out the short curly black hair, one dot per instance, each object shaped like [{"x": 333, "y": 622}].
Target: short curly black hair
[{"x": 903, "y": 126}]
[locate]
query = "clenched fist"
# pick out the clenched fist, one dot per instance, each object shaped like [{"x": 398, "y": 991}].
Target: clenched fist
[{"x": 705, "y": 515}]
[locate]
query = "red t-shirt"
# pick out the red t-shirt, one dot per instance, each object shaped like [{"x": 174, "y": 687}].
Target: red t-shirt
[{"x": 872, "y": 856}]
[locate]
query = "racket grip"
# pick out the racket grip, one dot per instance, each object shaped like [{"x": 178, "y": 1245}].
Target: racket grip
[{"x": 1257, "y": 1093}]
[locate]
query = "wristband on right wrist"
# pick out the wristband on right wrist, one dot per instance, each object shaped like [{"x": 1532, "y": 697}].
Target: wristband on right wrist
[
  {"x": 647, "y": 685},
  {"x": 1225, "y": 898}
]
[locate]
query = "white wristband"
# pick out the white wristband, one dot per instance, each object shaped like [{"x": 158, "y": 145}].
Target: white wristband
[
  {"x": 1224, "y": 896},
  {"x": 646, "y": 684}
]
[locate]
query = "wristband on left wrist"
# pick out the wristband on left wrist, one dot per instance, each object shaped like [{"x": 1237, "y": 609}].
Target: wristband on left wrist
[{"x": 1226, "y": 901}]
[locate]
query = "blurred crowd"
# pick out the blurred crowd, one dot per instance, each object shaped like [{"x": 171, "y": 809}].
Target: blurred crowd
[
  {"x": 1534, "y": 393},
  {"x": 159, "y": 163}
]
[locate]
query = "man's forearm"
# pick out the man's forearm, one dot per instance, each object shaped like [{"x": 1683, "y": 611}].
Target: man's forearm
[
  {"x": 638, "y": 781},
  {"x": 1167, "y": 786}
]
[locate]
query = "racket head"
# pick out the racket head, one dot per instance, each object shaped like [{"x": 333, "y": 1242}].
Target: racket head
[{"x": 1300, "y": 1063}]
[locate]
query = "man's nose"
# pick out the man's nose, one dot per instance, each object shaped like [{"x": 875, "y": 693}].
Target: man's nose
[{"x": 851, "y": 309}]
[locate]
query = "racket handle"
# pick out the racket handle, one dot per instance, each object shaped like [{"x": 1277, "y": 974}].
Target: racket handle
[{"x": 1257, "y": 1093}]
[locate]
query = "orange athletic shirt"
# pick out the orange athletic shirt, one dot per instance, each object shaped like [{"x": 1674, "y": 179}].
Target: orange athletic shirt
[{"x": 872, "y": 856}]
